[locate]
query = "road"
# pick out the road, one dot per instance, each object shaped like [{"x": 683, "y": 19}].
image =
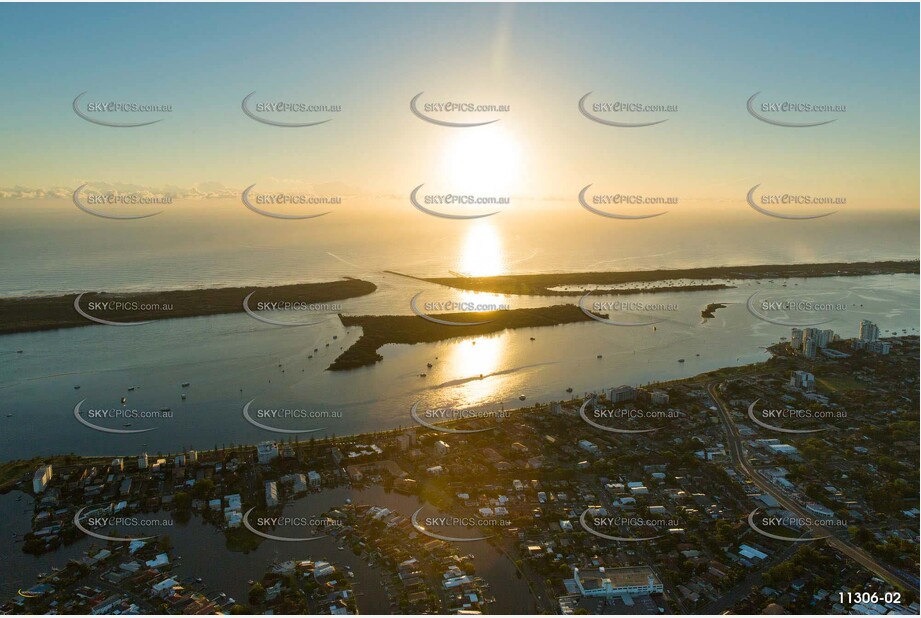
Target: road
[{"x": 737, "y": 453}]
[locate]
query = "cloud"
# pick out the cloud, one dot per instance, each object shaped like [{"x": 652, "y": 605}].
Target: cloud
[{"x": 200, "y": 191}]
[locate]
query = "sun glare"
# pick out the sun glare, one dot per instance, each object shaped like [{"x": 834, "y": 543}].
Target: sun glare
[
  {"x": 483, "y": 160},
  {"x": 482, "y": 255}
]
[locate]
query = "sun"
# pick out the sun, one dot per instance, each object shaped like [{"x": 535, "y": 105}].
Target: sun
[
  {"x": 483, "y": 160},
  {"x": 482, "y": 255}
]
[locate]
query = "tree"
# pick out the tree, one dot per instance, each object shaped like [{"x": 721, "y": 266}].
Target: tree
[
  {"x": 202, "y": 490},
  {"x": 257, "y": 594}
]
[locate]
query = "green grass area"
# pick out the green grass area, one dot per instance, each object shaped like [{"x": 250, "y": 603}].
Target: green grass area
[{"x": 838, "y": 384}]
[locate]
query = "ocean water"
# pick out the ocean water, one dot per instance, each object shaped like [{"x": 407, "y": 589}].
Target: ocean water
[{"x": 48, "y": 248}]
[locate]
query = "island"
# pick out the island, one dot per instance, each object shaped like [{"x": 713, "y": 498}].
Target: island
[
  {"x": 36, "y": 313},
  {"x": 379, "y": 330},
  {"x": 709, "y": 311}
]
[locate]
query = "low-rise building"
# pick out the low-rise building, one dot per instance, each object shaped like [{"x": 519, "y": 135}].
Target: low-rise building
[
  {"x": 266, "y": 452},
  {"x": 602, "y": 582}
]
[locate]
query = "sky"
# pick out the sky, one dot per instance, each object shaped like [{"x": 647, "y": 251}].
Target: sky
[{"x": 539, "y": 59}]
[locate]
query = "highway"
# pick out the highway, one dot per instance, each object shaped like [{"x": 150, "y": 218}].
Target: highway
[{"x": 734, "y": 444}]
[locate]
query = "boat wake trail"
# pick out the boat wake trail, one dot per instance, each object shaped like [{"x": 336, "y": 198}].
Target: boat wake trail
[
  {"x": 460, "y": 381},
  {"x": 345, "y": 261}
]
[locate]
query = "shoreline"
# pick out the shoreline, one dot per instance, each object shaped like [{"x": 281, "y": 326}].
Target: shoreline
[
  {"x": 42, "y": 313},
  {"x": 542, "y": 284},
  {"x": 378, "y": 331},
  {"x": 6, "y": 483},
  {"x": 17, "y": 471}
]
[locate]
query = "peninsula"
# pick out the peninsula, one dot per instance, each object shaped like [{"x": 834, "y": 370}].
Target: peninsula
[
  {"x": 544, "y": 284},
  {"x": 18, "y": 315}
]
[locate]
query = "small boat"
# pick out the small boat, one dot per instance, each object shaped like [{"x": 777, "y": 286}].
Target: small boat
[
  {"x": 130, "y": 388},
  {"x": 599, "y": 356},
  {"x": 327, "y": 345},
  {"x": 680, "y": 360},
  {"x": 124, "y": 400},
  {"x": 569, "y": 390},
  {"x": 126, "y": 425},
  {"x": 310, "y": 356},
  {"x": 532, "y": 339},
  {"x": 429, "y": 365},
  {"x": 183, "y": 396},
  {"x": 422, "y": 375},
  {"x": 76, "y": 388},
  {"x": 335, "y": 336},
  {"x": 165, "y": 409},
  {"x": 522, "y": 397},
  {"x": 198, "y": 579},
  {"x": 9, "y": 415},
  {"x": 184, "y": 384}
]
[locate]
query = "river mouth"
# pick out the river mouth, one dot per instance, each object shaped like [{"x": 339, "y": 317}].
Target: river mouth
[{"x": 231, "y": 360}]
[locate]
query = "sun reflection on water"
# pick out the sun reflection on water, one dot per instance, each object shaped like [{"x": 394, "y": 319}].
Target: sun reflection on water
[{"x": 476, "y": 359}]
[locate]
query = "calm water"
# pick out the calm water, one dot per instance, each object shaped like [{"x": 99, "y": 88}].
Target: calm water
[
  {"x": 232, "y": 359},
  {"x": 222, "y": 355},
  {"x": 202, "y": 548}
]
